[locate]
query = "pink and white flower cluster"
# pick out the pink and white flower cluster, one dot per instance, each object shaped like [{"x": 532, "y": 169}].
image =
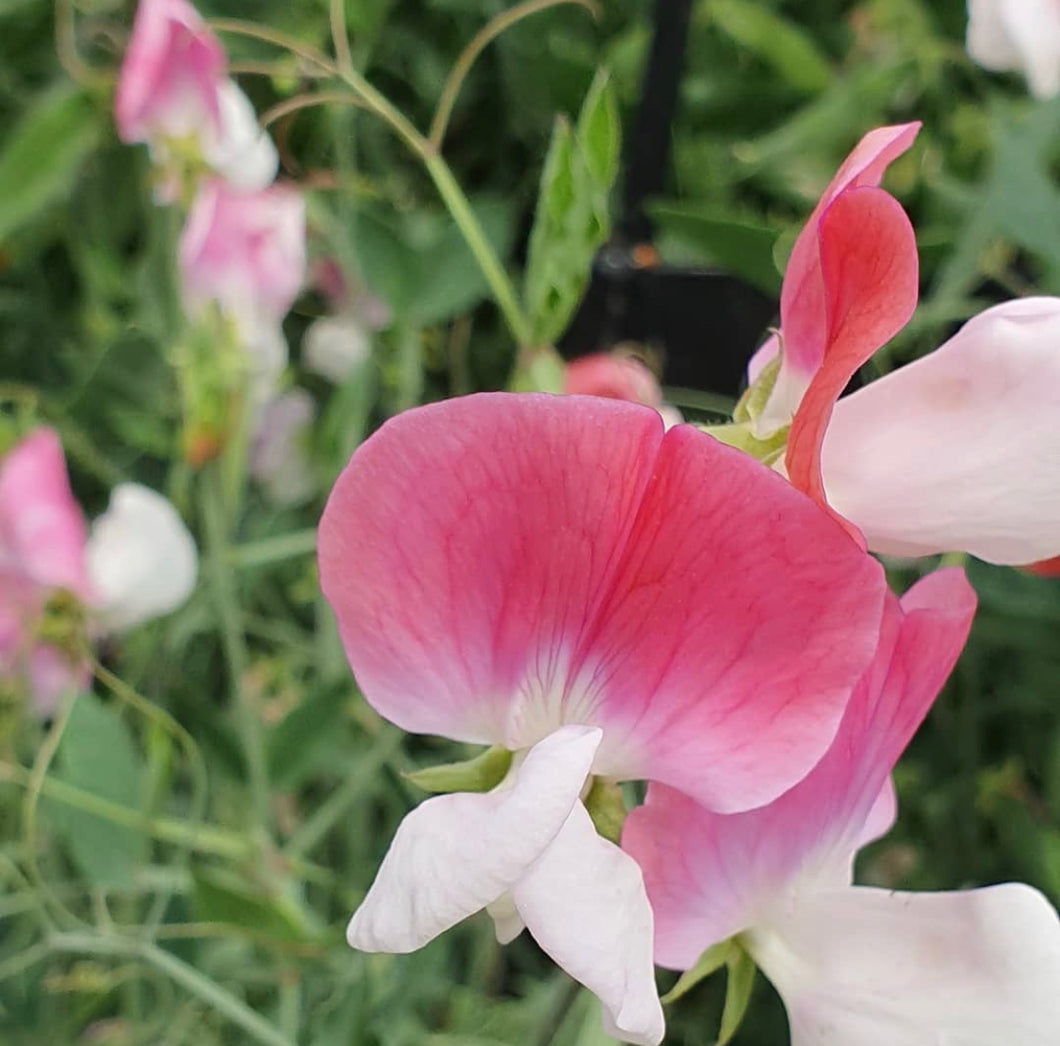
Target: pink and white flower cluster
[
  {"x": 562, "y": 578},
  {"x": 242, "y": 250},
  {"x": 137, "y": 562}
]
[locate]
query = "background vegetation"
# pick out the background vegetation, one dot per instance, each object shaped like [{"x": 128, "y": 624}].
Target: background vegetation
[{"x": 143, "y": 899}]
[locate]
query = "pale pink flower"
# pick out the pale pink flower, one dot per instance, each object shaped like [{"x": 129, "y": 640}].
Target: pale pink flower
[
  {"x": 173, "y": 90},
  {"x": 856, "y": 966},
  {"x": 280, "y": 459},
  {"x": 957, "y": 451},
  {"x": 139, "y": 562},
  {"x": 245, "y": 254},
  {"x": 556, "y": 576},
  {"x": 1018, "y": 36}
]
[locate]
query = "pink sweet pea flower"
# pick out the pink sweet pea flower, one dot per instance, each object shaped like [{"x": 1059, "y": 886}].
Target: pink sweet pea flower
[
  {"x": 42, "y": 551},
  {"x": 245, "y": 253},
  {"x": 173, "y": 88},
  {"x": 856, "y": 966},
  {"x": 138, "y": 562},
  {"x": 1018, "y": 35},
  {"x": 957, "y": 451},
  {"x": 556, "y": 576}
]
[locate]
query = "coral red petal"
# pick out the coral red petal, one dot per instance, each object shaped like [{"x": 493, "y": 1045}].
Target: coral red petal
[
  {"x": 803, "y": 298},
  {"x": 870, "y": 270}
]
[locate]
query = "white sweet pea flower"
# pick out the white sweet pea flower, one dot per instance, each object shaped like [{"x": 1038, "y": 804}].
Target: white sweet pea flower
[
  {"x": 142, "y": 560},
  {"x": 1018, "y": 36},
  {"x": 241, "y": 152}
]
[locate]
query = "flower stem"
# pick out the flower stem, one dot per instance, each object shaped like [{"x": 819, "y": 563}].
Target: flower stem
[
  {"x": 452, "y": 195},
  {"x": 234, "y": 641}
]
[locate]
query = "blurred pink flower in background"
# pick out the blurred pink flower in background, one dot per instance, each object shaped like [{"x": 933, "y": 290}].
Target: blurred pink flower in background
[
  {"x": 615, "y": 375},
  {"x": 245, "y": 253},
  {"x": 139, "y": 562},
  {"x": 518, "y": 570},
  {"x": 856, "y": 966},
  {"x": 1018, "y": 36},
  {"x": 173, "y": 92},
  {"x": 42, "y": 552}
]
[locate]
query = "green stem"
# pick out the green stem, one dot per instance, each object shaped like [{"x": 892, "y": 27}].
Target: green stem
[
  {"x": 200, "y": 838},
  {"x": 458, "y": 206},
  {"x": 234, "y": 640},
  {"x": 179, "y": 972},
  {"x": 272, "y": 550}
]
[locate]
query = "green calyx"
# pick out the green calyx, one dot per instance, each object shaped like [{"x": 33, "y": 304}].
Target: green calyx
[
  {"x": 742, "y": 432},
  {"x": 480, "y": 774},
  {"x": 741, "y": 436},
  {"x": 741, "y": 970}
]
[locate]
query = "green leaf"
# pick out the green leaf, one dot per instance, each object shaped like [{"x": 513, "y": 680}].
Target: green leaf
[
  {"x": 742, "y": 248},
  {"x": 479, "y": 774},
  {"x": 712, "y": 960},
  {"x": 97, "y": 754},
  {"x": 421, "y": 265},
  {"x": 571, "y": 220},
  {"x": 738, "y": 990},
  {"x": 780, "y": 43},
  {"x": 225, "y": 897},
  {"x": 43, "y": 153}
]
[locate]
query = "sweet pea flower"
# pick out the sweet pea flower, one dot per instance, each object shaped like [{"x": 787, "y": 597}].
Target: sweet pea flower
[
  {"x": 615, "y": 375},
  {"x": 1018, "y": 36},
  {"x": 139, "y": 562},
  {"x": 958, "y": 451},
  {"x": 173, "y": 90},
  {"x": 556, "y": 576},
  {"x": 856, "y": 966},
  {"x": 244, "y": 254},
  {"x": 42, "y": 552}
]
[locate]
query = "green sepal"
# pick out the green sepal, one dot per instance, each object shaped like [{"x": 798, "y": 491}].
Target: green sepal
[
  {"x": 480, "y": 774},
  {"x": 712, "y": 960},
  {"x": 607, "y": 808},
  {"x": 740, "y": 971},
  {"x": 741, "y": 436},
  {"x": 738, "y": 988}
]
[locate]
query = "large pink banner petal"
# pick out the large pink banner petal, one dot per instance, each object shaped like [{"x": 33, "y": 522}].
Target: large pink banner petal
[{"x": 501, "y": 565}]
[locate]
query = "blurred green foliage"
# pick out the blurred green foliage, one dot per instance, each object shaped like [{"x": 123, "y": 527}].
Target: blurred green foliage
[{"x": 141, "y": 827}]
